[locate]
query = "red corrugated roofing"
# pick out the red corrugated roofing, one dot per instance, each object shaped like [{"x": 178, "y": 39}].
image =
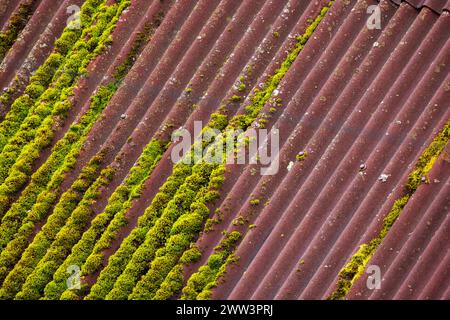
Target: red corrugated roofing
[
  {"x": 373, "y": 98},
  {"x": 414, "y": 257},
  {"x": 360, "y": 104}
]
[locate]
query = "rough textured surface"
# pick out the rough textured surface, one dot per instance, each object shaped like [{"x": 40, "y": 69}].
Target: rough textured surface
[{"x": 355, "y": 109}]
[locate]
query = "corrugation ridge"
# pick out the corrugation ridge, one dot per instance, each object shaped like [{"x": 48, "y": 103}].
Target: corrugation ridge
[
  {"x": 7, "y": 7},
  {"x": 438, "y": 283}
]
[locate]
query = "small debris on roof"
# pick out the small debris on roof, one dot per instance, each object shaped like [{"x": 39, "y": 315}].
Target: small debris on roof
[
  {"x": 383, "y": 177},
  {"x": 290, "y": 165}
]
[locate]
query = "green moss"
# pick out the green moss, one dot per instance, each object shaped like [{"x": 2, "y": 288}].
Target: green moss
[
  {"x": 15, "y": 26},
  {"x": 235, "y": 98},
  {"x": 28, "y": 138},
  {"x": 81, "y": 216},
  {"x": 91, "y": 245},
  {"x": 148, "y": 264},
  {"x": 357, "y": 264},
  {"x": 200, "y": 283}
]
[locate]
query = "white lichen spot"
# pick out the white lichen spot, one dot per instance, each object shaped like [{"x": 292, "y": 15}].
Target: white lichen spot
[
  {"x": 290, "y": 165},
  {"x": 383, "y": 177}
]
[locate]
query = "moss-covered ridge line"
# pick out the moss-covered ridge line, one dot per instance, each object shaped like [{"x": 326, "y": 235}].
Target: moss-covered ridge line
[
  {"x": 15, "y": 26},
  {"x": 138, "y": 250},
  {"x": 37, "y": 130},
  {"x": 43, "y": 188},
  {"x": 180, "y": 237},
  {"x": 209, "y": 276},
  {"x": 38, "y": 88},
  {"x": 32, "y": 253},
  {"x": 45, "y": 182},
  {"x": 357, "y": 264},
  {"x": 70, "y": 234},
  {"x": 168, "y": 256},
  {"x": 199, "y": 285},
  {"x": 102, "y": 230}
]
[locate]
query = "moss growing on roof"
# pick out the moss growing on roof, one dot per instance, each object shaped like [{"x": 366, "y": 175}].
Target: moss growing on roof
[
  {"x": 357, "y": 264},
  {"x": 200, "y": 284},
  {"x": 15, "y": 26}
]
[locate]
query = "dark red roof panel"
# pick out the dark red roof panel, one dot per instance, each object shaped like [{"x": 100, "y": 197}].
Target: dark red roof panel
[
  {"x": 414, "y": 258},
  {"x": 375, "y": 98},
  {"x": 359, "y": 104}
]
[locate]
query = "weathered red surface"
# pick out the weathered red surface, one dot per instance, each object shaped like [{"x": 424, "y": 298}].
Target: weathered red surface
[
  {"x": 353, "y": 96},
  {"x": 383, "y": 115},
  {"x": 414, "y": 257}
]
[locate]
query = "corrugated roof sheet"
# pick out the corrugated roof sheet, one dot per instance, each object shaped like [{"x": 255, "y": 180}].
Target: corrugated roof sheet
[
  {"x": 379, "y": 98},
  {"x": 414, "y": 257},
  {"x": 359, "y": 105}
]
